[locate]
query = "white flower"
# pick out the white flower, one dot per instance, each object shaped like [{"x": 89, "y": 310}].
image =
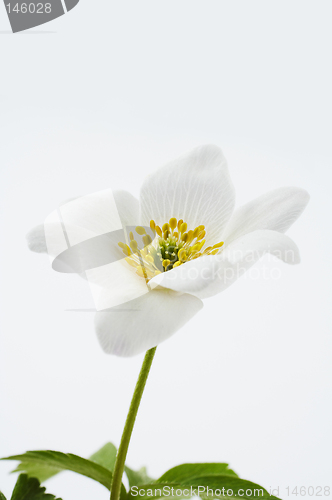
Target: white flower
[{"x": 190, "y": 204}]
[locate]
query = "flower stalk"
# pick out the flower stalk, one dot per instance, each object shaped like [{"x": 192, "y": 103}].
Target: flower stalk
[{"x": 129, "y": 425}]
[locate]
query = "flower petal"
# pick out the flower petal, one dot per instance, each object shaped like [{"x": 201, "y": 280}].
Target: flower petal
[
  {"x": 207, "y": 276},
  {"x": 145, "y": 322},
  {"x": 127, "y": 206},
  {"x": 276, "y": 210},
  {"x": 116, "y": 283},
  {"x": 196, "y": 188}
]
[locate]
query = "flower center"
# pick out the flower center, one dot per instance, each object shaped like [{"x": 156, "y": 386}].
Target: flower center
[{"x": 172, "y": 246}]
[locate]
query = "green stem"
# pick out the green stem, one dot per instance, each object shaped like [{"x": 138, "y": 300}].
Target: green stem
[{"x": 129, "y": 425}]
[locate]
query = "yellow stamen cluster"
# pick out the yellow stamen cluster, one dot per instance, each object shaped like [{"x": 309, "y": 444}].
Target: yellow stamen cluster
[{"x": 172, "y": 246}]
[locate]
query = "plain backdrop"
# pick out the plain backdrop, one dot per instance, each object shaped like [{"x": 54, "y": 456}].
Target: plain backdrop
[{"x": 99, "y": 98}]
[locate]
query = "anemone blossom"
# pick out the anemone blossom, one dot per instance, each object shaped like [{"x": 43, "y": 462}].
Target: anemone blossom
[{"x": 188, "y": 245}]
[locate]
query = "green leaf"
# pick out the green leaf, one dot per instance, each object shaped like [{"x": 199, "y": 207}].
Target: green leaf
[
  {"x": 135, "y": 478},
  {"x": 105, "y": 456},
  {"x": 28, "y": 488},
  {"x": 40, "y": 470},
  {"x": 185, "y": 472},
  {"x": 214, "y": 482},
  {"x": 2, "y": 496},
  {"x": 44, "y": 464}
]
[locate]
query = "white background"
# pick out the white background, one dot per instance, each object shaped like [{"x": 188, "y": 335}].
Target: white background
[{"x": 98, "y": 99}]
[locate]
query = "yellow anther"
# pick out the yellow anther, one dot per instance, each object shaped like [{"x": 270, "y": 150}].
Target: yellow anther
[
  {"x": 182, "y": 255},
  {"x": 197, "y": 247},
  {"x": 172, "y": 223},
  {"x": 131, "y": 261},
  {"x": 218, "y": 245},
  {"x": 125, "y": 248},
  {"x": 141, "y": 272},
  {"x": 147, "y": 239},
  {"x": 183, "y": 227},
  {"x": 140, "y": 230},
  {"x": 175, "y": 247},
  {"x": 207, "y": 249},
  {"x": 133, "y": 245},
  {"x": 195, "y": 233},
  {"x": 190, "y": 236}
]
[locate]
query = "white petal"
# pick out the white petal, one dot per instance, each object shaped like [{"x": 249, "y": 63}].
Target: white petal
[
  {"x": 207, "y": 276},
  {"x": 116, "y": 283},
  {"x": 196, "y": 188},
  {"x": 127, "y": 206},
  {"x": 276, "y": 210},
  {"x": 36, "y": 239},
  {"x": 145, "y": 322}
]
